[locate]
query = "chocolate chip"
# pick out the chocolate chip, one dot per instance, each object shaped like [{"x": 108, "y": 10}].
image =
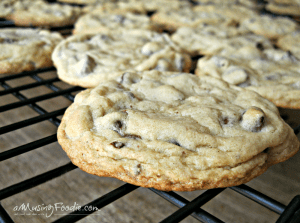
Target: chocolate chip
[
  {"x": 229, "y": 121},
  {"x": 132, "y": 136},
  {"x": 129, "y": 78},
  {"x": 117, "y": 127},
  {"x": 104, "y": 37},
  {"x": 8, "y": 40},
  {"x": 117, "y": 145},
  {"x": 87, "y": 65},
  {"x": 245, "y": 84},
  {"x": 173, "y": 141},
  {"x": 253, "y": 119},
  {"x": 119, "y": 87},
  {"x": 271, "y": 77},
  {"x": 138, "y": 169},
  {"x": 130, "y": 94},
  {"x": 225, "y": 121},
  {"x": 118, "y": 124},
  {"x": 150, "y": 13},
  {"x": 122, "y": 78},
  {"x": 261, "y": 121},
  {"x": 266, "y": 150},
  {"x": 260, "y": 46}
]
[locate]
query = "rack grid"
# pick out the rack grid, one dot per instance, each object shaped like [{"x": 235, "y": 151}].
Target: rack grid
[{"x": 286, "y": 214}]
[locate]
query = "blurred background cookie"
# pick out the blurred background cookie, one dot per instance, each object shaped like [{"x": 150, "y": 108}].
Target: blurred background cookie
[{"x": 26, "y": 49}]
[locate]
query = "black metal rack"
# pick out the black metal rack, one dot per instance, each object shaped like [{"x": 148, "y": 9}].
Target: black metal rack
[{"x": 287, "y": 214}]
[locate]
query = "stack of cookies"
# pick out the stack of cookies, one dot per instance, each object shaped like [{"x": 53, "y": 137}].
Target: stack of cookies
[{"x": 180, "y": 93}]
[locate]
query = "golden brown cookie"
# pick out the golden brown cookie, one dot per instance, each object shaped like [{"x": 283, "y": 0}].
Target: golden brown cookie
[
  {"x": 6, "y": 7},
  {"x": 290, "y": 7},
  {"x": 290, "y": 42},
  {"x": 271, "y": 27},
  {"x": 87, "y": 60},
  {"x": 86, "y": 2},
  {"x": 43, "y": 14},
  {"x": 235, "y": 13},
  {"x": 212, "y": 39},
  {"x": 26, "y": 49},
  {"x": 159, "y": 5},
  {"x": 273, "y": 73},
  {"x": 151, "y": 130},
  {"x": 246, "y": 3},
  {"x": 119, "y": 7},
  {"x": 92, "y": 23},
  {"x": 187, "y": 17}
]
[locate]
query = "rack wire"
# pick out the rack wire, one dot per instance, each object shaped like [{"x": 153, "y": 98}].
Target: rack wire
[{"x": 287, "y": 214}]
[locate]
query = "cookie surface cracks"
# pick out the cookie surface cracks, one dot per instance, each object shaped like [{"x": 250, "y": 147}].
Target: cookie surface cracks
[
  {"x": 153, "y": 131},
  {"x": 88, "y": 60},
  {"x": 26, "y": 49},
  {"x": 273, "y": 73}
]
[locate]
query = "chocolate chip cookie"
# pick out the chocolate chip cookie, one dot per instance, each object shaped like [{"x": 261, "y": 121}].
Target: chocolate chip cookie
[
  {"x": 151, "y": 130},
  {"x": 271, "y": 27},
  {"x": 212, "y": 39},
  {"x": 291, "y": 43},
  {"x": 273, "y": 73},
  {"x": 43, "y": 14},
  {"x": 87, "y": 60},
  {"x": 26, "y": 49},
  {"x": 187, "y": 17},
  {"x": 101, "y": 23}
]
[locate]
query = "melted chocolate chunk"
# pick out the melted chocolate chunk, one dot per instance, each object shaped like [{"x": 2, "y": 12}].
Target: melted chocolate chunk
[
  {"x": 118, "y": 124},
  {"x": 261, "y": 121},
  {"x": 104, "y": 37},
  {"x": 87, "y": 65},
  {"x": 117, "y": 145},
  {"x": 173, "y": 141},
  {"x": 129, "y": 78},
  {"x": 8, "y": 40},
  {"x": 260, "y": 46},
  {"x": 245, "y": 84},
  {"x": 225, "y": 121},
  {"x": 138, "y": 169},
  {"x": 130, "y": 94},
  {"x": 253, "y": 119},
  {"x": 132, "y": 136},
  {"x": 266, "y": 150},
  {"x": 150, "y": 13},
  {"x": 272, "y": 77}
]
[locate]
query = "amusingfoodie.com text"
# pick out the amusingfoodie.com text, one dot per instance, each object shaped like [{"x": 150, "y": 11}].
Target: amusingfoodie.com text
[{"x": 50, "y": 209}]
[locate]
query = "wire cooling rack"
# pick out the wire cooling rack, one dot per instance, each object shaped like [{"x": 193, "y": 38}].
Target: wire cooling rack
[{"x": 286, "y": 214}]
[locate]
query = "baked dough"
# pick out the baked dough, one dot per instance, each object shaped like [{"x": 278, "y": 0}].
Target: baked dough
[
  {"x": 87, "y": 60},
  {"x": 26, "y": 49},
  {"x": 174, "y": 131},
  {"x": 273, "y": 73}
]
